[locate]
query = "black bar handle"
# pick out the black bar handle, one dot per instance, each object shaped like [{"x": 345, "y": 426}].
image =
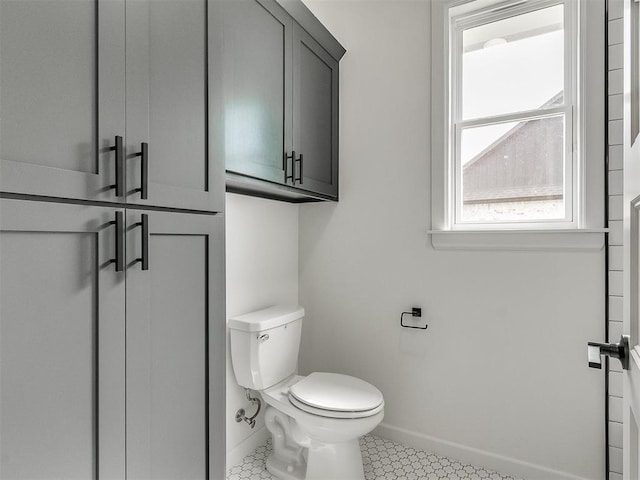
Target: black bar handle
[
  {"x": 144, "y": 259},
  {"x": 299, "y": 179},
  {"x": 119, "y": 149},
  {"x": 119, "y": 223},
  {"x": 144, "y": 170},
  {"x": 285, "y": 166}
]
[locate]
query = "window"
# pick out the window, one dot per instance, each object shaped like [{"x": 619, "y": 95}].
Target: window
[
  {"x": 512, "y": 116},
  {"x": 518, "y": 115}
]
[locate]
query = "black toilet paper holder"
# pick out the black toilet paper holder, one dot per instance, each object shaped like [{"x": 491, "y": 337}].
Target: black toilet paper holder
[{"x": 415, "y": 312}]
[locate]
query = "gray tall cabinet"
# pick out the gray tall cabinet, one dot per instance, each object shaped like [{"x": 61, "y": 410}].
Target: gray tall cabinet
[{"x": 112, "y": 323}]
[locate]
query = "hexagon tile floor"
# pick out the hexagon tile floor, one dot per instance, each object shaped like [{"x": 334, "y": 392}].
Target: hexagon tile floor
[{"x": 383, "y": 460}]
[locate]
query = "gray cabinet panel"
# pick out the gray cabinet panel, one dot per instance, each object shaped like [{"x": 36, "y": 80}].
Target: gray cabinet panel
[
  {"x": 175, "y": 348},
  {"x": 315, "y": 115},
  {"x": 61, "y": 343},
  {"x": 177, "y": 93},
  {"x": 61, "y": 107},
  {"x": 169, "y": 102},
  {"x": 257, "y": 77}
]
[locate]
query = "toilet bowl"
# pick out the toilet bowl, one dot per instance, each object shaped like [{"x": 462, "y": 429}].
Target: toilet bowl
[
  {"x": 330, "y": 437},
  {"x": 315, "y": 420}
]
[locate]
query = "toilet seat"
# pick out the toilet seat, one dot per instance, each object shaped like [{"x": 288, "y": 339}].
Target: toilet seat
[
  {"x": 336, "y": 396},
  {"x": 333, "y": 413}
]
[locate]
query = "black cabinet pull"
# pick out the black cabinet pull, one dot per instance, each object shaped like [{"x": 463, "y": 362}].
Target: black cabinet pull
[
  {"x": 144, "y": 259},
  {"x": 285, "y": 166},
  {"x": 144, "y": 170},
  {"x": 119, "y": 149},
  {"x": 299, "y": 179},
  {"x": 119, "y": 223}
]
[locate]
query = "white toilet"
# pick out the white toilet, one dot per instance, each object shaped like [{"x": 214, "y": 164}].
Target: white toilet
[{"x": 315, "y": 420}]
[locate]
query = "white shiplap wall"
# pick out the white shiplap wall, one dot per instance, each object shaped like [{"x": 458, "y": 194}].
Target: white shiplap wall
[{"x": 615, "y": 126}]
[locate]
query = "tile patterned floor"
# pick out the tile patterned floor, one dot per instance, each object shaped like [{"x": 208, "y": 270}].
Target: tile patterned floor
[{"x": 383, "y": 460}]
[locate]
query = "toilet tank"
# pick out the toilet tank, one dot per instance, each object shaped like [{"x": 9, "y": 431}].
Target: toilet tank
[{"x": 265, "y": 345}]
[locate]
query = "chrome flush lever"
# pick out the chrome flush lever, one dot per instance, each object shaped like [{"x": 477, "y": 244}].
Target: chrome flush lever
[{"x": 618, "y": 350}]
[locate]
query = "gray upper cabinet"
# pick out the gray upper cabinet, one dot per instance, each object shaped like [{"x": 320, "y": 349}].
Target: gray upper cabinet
[
  {"x": 62, "y": 342},
  {"x": 280, "y": 101},
  {"x": 171, "y": 102},
  {"x": 315, "y": 116},
  {"x": 75, "y": 75},
  {"x": 62, "y": 90}
]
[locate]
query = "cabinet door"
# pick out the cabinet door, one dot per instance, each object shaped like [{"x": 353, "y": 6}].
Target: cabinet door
[
  {"x": 62, "y": 92},
  {"x": 175, "y": 347},
  {"x": 257, "y": 88},
  {"x": 315, "y": 115},
  {"x": 62, "y": 326},
  {"x": 172, "y": 90}
]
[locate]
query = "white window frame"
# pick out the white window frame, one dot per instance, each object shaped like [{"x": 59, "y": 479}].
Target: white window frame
[{"x": 583, "y": 110}]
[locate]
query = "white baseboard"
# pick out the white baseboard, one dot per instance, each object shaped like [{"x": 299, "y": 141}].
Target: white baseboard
[
  {"x": 474, "y": 456},
  {"x": 248, "y": 445}
]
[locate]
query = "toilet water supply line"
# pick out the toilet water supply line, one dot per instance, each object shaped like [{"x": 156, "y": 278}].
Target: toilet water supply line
[{"x": 241, "y": 414}]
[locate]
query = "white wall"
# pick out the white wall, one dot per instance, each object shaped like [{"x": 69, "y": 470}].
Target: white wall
[
  {"x": 262, "y": 270},
  {"x": 501, "y": 371}
]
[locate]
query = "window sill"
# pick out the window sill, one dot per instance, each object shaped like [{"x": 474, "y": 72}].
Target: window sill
[{"x": 523, "y": 240}]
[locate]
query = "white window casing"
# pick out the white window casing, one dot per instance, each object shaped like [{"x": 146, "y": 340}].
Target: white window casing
[{"x": 583, "y": 111}]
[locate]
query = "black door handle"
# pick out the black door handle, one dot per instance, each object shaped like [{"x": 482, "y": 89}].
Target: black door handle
[
  {"x": 119, "y": 149},
  {"x": 618, "y": 350},
  {"x": 144, "y": 258},
  {"x": 285, "y": 166},
  {"x": 144, "y": 170},
  {"x": 119, "y": 259},
  {"x": 299, "y": 161}
]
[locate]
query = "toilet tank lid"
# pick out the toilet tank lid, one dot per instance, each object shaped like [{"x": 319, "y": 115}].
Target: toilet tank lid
[{"x": 266, "y": 318}]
